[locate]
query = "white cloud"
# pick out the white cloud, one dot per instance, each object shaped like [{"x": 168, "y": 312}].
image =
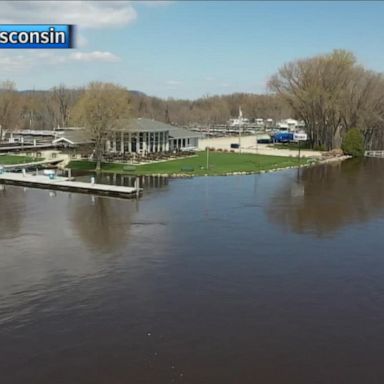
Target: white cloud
[
  {"x": 88, "y": 14},
  {"x": 174, "y": 82},
  {"x": 12, "y": 62},
  {"x": 94, "y": 56},
  {"x": 155, "y": 3}
]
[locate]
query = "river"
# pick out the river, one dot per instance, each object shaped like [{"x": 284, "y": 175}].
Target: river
[{"x": 270, "y": 278}]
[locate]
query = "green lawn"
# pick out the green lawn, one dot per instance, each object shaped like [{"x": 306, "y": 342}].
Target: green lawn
[
  {"x": 15, "y": 159},
  {"x": 219, "y": 164}
]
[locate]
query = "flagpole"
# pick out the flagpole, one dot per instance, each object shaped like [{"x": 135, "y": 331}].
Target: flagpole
[{"x": 240, "y": 122}]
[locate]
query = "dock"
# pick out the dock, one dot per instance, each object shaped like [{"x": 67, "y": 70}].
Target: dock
[
  {"x": 32, "y": 164},
  {"x": 22, "y": 148},
  {"x": 377, "y": 154},
  {"x": 66, "y": 184}
]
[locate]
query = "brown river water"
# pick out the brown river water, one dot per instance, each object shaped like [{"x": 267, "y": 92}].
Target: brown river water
[{"x": 272, "y": 278}]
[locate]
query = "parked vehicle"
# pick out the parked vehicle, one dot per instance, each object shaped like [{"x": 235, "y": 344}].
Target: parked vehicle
[{"x": 283, "y": 137}]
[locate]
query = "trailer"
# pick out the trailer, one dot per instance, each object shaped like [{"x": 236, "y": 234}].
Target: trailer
[{"x": 283, "y": 137}]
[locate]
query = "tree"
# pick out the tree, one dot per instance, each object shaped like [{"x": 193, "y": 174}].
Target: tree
[
  {"x": 9, "y": 107},
  {"x": 64, "y": 99},
  {"x": 333, "y": 94},
  {"x": 99, "y": 110},
  {"x": 353, "y": 143}
]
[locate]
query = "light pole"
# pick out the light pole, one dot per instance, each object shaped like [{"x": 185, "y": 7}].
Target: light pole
[
  {"x": 240, "y": 124},
  {"x": 239, "y": 136}
]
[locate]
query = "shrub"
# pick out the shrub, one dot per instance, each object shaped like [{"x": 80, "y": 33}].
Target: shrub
[{"x": 353, "y": 143}]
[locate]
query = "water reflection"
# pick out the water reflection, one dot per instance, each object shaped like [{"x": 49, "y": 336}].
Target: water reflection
[
  {"x": 147, "y": 182},
  {"x": 193, "y": 286},
  {"x": 102, "y": 223},
  {"x": 323, "y": 199},
  {"x": 12, "y": 206}
]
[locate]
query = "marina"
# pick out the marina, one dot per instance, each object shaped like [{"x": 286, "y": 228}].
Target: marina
[{"x": 67, "y": 184}]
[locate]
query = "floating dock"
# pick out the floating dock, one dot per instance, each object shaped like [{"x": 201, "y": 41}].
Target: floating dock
[
  {"x": 378, "y": 154},
  {"x": 65, "y": 184}
]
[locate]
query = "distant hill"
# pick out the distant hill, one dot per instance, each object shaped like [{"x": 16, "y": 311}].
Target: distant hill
[{"x": 137, "y": 93}]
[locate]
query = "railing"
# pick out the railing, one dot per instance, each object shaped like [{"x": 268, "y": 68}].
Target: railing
[{"x": 374, "y": 154}]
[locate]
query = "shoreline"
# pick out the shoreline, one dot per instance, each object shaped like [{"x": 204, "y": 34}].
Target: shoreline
[
  {"x": 334, "y": 159},
  {"x": 180, "y": 175}
]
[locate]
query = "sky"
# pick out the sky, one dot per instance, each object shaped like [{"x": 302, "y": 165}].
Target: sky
[{"x": 189, "y": 49}]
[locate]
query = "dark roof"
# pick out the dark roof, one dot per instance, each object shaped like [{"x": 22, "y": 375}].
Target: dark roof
[
  {"x": 181, "y": 133},
  {"x": 142, "y": 125},
  {"x": 75, "y": 136},
  {"x": 81, "y": 136},
  {"x": 148, "y": 125}
]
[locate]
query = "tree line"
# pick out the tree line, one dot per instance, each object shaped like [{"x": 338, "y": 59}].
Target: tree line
[
  {"x": 331, "y": 93},
  {"x": 55, "y": 108}
]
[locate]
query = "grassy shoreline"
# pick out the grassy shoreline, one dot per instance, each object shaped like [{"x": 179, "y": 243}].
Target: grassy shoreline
[
  {"x": 219, "y": 164},
  {"x": 17, "y": 159}
]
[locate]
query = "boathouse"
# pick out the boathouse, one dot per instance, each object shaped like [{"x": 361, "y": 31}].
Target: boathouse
[{"x": 73, "y": 138}]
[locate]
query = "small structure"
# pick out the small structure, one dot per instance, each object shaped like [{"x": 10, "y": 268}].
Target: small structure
[
  {"x": 32, "y": 137},
  {"x": 73, "y": 138},
  {"x": 76, "y": 142}
]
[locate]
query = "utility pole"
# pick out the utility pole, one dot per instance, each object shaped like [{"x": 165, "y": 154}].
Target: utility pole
[{"x": 299, "y": 151}]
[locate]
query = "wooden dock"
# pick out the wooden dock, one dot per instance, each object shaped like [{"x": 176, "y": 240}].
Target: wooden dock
[
  {"x": 67, "y": 185},
  {"x": 377, "y": 154}
]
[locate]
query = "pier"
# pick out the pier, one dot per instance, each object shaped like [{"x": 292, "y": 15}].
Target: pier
[
  {"x": 66, "y": 184},
  {"x": 377, "y": 154},
  {"x": 25, "y": 148}
]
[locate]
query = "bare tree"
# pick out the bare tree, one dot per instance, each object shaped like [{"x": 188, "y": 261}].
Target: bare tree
[
  {"x": 99, "y": 110},
  {"x": 9, "y": 107},
  {"x": 64, "y": 99},
  {"x": 332, "y": 94}
]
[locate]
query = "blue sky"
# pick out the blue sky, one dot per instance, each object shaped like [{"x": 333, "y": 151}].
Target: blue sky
[{"x": 188, "y": 49}]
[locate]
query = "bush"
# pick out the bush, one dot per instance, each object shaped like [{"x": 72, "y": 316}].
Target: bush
[{"x": 353, "y": 143}]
